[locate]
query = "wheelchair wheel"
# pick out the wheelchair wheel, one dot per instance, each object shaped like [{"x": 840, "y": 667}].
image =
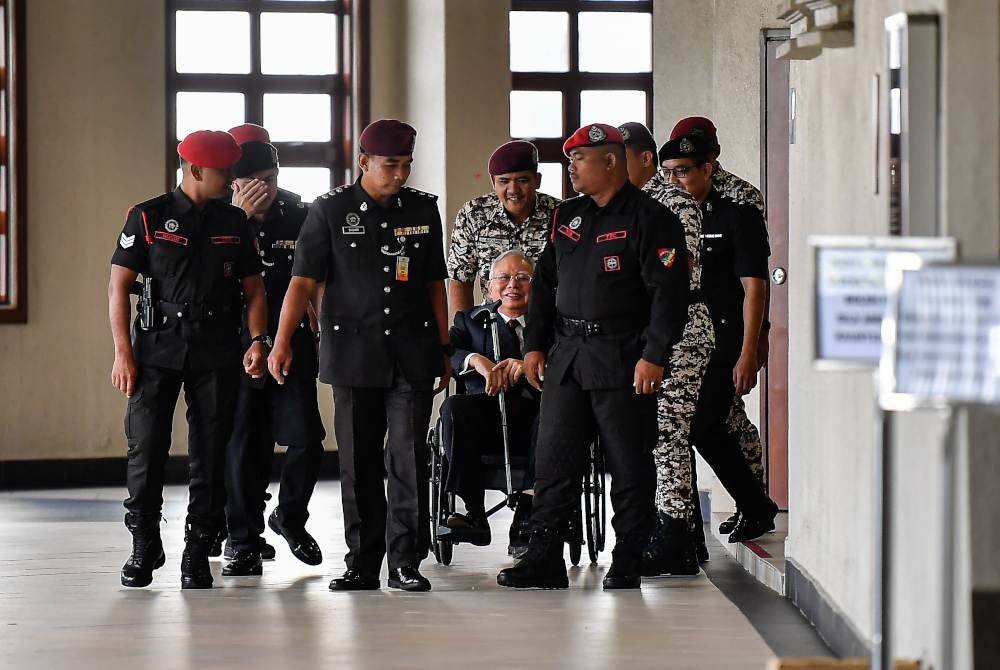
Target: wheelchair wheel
[
  {"x": 595, "y": 512},
  {"x": 441, "y": 503}
]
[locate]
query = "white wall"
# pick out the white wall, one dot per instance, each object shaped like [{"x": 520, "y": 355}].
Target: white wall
[{"x": 830, "y": 414}]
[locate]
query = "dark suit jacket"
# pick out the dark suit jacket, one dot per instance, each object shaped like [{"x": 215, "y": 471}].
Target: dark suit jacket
[{"x": 473, "y": 336}]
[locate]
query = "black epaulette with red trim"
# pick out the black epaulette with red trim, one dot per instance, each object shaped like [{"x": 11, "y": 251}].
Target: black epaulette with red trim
[
  {"x": 158, "y": 200},
  {"x": 423, "y": 193}
]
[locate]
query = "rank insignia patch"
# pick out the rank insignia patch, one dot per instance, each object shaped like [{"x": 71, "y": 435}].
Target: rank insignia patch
[
  {"x": 126, "y": 241},
  {"x": 667, "y": 257},
  {"x": 612, "y": 264}
]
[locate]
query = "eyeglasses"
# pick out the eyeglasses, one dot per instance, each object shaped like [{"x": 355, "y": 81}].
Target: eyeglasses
[
  {"x": 520, "y": 278},
  {"x": 679, "y": 172}
]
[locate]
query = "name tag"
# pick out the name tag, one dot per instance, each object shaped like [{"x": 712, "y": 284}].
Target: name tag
[
  {"x": 353, "y": 230},
  {"x": 412, "y": 230},
  {"x": 570, "y": 233},
  {"x": 226, "y": 239},
  {"x": 402, "y": 268},
  {"x": 170, "y": 237},
  {"x": 617, "y": 235}
]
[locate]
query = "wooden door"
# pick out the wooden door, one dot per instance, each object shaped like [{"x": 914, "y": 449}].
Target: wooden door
[{"x": 775, "y": 127}]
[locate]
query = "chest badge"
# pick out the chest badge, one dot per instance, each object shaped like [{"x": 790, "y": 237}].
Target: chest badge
[
  {"x": 352, "y": 219},
  {"x": 171, "y": 225},
  {"x": 667, "y": 257},
  {"x": 575, "y": 222},
  {"x": 612, "y": 264},
  {"x": 364, "y": 207}
]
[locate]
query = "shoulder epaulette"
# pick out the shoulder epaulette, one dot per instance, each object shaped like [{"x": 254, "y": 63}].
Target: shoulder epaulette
[
  {"x": 288, "y": 196},
  {"x": 425, "y": 194},
  {"x": 336, "y": 191},
  {"x": 152, "y": 202}
]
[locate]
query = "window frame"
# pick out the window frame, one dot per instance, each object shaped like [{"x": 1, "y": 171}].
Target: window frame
[
  {"x": 347, "y": 88},
  {"x": 572, "y": 82},
  {"x": 14, "y": 308}
]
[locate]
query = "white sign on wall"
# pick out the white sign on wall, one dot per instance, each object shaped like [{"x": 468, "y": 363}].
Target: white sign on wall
[
  {"x": 850, "y": 300},
  {"x": 942, "y": 335}
]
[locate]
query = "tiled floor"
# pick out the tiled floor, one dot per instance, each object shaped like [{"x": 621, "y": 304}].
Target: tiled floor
[
  {"x": 61, "y": 606},
  {"x": 764, "y": 558}
]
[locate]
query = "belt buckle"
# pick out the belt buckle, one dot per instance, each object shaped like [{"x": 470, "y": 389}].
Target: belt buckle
[{"x": 591, "y": 328}]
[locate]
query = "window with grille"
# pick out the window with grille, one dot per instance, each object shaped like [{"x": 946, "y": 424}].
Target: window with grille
[
  {"x": 575, "y": 62},
  {"x": 284, "y": 64},
  {"x": 13, "y": 240}
]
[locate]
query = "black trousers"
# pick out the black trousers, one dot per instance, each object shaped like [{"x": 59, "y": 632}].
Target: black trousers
[
  {"x": 210, "y": 396},
  {"x": 471, "y": 429},
  {"x": 571, "y": 418},
  {"x": 384, "y": 431},
  {"x": 711, "y": 437},
  {"x": 289, "y": 415}
]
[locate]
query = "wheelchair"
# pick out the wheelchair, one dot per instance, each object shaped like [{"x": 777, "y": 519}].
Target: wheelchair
[{"x": 590, "y": 518}]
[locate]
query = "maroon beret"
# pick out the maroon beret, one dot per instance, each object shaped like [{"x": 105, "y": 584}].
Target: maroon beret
[
  {"x": 250, "y": 132},
  {"x": 516, "y": 156},
  {"x": 594, "y": 135},
  {"x": 388, "y": 137},
  {"x": 694, "y": 125},
  {"x": 210, "y": 148}
]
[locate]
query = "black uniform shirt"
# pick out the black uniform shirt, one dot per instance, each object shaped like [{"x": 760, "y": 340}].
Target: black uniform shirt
[
  {"x": 625, "y": 263},
  {"x": 376, "y": 263},
  {"x": 276, "y": 238},
  {"x": 195, "y": 257},
  {"x": 734, "y": 245}
]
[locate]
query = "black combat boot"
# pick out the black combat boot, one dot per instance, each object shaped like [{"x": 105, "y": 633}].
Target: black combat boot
[
  {"x": 542, "y": 565},
  {"x": 671, "y": 549},
  {"x": 729, "y": 525},
  {"x": 195, "y": 571},
  {"x": 245, "y": 563},
  {"x": 147, "y": 550},
  {"x": 626, "y": 565}
]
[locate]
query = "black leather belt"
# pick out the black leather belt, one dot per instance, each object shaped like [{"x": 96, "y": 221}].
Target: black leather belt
[
  {"x": 193, "y": 311},
  {"x": 587, "y": 328},
  {"x": 695, "y": 296}
]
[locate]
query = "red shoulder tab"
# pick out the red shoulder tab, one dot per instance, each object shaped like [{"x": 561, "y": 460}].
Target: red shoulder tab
[
  {"x": 555, "y": 217},
  {"x": 145, "y": 225}
]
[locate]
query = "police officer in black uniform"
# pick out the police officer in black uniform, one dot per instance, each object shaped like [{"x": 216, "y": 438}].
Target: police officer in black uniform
[
  {"x": 734, "y": 282},
  {"x": 610, "y": 298},
  {"x": 377, "y": 246},
  {"x": 195, "y": 253},
  {"x": 266, "y": 412}
]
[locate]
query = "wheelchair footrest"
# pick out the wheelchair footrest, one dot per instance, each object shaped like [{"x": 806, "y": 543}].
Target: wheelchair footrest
[{"x": 458, "y": 535}]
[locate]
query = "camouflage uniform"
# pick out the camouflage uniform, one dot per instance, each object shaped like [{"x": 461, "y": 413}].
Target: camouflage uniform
[
  {"x": 484, "y": 230},
  {"x": 678, "y": 395},
  {"x": 740, "y": 426}
]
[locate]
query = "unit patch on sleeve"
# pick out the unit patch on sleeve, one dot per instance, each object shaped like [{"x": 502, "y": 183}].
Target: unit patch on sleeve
[{"x": 667, "y": 257}]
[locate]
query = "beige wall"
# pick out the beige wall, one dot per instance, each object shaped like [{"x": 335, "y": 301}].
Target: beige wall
[{"x": 95, "y": 146}]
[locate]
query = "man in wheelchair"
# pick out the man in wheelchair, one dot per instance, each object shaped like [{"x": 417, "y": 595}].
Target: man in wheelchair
[{"x": 471, "y": 421}]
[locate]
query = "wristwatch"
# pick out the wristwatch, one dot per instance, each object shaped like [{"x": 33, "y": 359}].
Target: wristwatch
[
  {"x": 448, "y": 349},
  {"x": 264, "y": 339}
]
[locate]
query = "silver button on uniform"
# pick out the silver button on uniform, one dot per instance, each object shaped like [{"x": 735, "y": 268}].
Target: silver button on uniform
[{"x": 387, "y": 289}]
